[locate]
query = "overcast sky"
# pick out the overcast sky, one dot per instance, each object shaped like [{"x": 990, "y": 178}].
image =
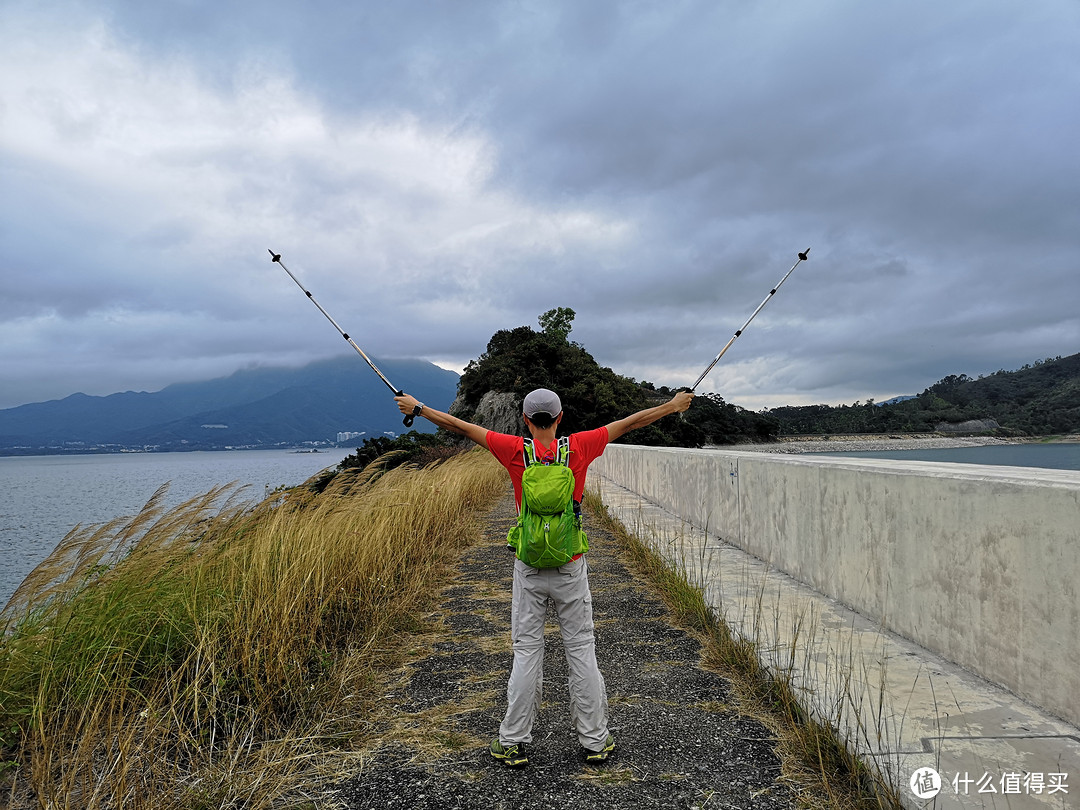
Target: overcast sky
[{"x": 436, "y": 171}]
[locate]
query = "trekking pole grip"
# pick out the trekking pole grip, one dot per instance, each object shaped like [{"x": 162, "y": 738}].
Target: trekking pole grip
[{"x": 408, "y": 420}]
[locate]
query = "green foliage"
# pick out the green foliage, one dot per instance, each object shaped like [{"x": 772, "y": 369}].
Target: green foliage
[
  {"x": 410, "y": 448},
  {"x": 726, "y": 424},
  {"x": 519, "y": 360},
  {"x": 1039, "y": 399},
  {"x": 407, "y": 447},
  {"x": 556, "y": 323}
]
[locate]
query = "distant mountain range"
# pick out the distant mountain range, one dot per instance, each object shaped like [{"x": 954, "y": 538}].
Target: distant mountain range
[{"x": 253, "y": 408}]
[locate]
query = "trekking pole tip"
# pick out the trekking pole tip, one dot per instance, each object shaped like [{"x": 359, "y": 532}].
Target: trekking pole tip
[
  {"x": 274, "y": 257},
  {"x": 802, "y": 256}
]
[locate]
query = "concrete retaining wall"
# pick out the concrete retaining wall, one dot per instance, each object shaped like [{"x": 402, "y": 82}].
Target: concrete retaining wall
[{"x": 978, "y": 564}]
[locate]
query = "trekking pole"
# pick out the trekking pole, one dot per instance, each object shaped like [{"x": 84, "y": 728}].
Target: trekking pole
[
  {"x": 772, "y": 292},
  {"x": 276, "y": 257}
]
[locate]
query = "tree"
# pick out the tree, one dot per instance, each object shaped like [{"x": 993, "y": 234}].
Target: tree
[{"x": 556, "y": 323}]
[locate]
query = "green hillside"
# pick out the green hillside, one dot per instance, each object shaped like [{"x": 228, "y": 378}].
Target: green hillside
[
  {"x": 518, "y": 360},
  {"x": 1039, "y": 399}
]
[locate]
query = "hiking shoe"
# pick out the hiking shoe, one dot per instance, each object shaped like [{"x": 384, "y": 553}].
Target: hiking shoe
[
  {"x": 512, "y": 756},
  {"x": 602, "y": 754}
]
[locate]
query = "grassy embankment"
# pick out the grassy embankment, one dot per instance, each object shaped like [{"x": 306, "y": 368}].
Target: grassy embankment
[{"x": 221, "y": 653}]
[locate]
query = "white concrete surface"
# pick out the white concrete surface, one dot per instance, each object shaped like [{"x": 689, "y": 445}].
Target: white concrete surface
[
  {"x": 978, "y": 564},
  {"x": 898, "y": 703}
]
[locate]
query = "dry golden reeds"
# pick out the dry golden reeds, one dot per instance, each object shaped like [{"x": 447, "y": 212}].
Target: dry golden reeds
[{"x": 211, "y": 654}]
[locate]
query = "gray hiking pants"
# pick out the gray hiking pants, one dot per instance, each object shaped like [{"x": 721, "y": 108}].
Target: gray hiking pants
[{"x": 568, "y": 589}]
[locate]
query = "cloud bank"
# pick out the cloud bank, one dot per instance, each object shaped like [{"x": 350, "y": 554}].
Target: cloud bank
[{"x": 434, "y": 173}]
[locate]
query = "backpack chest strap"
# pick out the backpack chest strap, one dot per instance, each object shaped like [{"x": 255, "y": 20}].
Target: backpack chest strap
[{"x": 562, "y": 453}]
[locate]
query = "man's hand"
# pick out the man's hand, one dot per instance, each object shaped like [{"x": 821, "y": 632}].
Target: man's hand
[
  {"x": 406, "y": 403},
  {"x": 681, "y": 401}
]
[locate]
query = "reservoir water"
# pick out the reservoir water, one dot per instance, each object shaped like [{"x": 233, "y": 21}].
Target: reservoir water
[
  {"x": 43, "y": 497},
  {"x": 1056, "y": 456}
]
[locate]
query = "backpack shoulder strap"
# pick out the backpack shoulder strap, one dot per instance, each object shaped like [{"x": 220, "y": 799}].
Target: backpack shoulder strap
[
  {"x": 528, "y": 452},
  {"x": 563, "y": 452}
]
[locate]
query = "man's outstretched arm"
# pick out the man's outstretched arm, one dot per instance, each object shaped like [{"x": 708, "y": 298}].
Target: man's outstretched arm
[
  {"x": 406, "y": 404},
  {"x": 677, "y": 404}
]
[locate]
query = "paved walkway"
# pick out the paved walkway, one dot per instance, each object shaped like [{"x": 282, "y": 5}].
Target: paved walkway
[
  {"x": 904, "y": 707},
  {"x": 680, "y": 741}
]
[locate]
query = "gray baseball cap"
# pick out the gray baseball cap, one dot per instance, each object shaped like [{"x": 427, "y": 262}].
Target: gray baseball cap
[{"x": 542, "y": 401}]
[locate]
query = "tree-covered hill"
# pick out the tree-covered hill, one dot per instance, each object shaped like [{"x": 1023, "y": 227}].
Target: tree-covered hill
[
  {"x": 518, "y": 360},
  {"x": 1039, "y": 399}
]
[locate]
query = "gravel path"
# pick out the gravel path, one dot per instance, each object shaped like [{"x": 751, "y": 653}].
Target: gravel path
[{"x": 680, "y": 741}]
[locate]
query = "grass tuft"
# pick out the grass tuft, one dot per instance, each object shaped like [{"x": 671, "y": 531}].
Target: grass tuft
[{"x": 214, "y": 654}]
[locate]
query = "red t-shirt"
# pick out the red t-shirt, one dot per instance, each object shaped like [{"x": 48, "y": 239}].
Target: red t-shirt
[{"x": 585, "y": 447}]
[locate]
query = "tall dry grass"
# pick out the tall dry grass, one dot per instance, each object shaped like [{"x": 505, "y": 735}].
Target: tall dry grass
[{"x": 211, "y": 654}]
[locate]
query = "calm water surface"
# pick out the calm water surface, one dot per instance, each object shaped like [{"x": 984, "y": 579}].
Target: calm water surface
[
  {"x": 43, "y": 497},
  {"x": 1063, "y": 456}
]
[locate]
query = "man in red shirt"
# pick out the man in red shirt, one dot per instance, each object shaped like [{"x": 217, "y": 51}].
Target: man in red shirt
[{"x": 566, "y": 586}]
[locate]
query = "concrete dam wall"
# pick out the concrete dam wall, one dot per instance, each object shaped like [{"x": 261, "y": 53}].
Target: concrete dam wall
[{"x": 978, "y": 564}]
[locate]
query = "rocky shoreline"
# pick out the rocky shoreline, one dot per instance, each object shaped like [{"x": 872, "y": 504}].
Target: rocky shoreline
[{"x": 866, "y": 442}]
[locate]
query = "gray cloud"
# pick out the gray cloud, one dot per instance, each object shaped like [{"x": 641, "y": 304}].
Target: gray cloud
[{"x": 435, "y": 173}]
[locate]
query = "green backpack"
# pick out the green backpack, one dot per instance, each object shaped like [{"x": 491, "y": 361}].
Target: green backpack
[{"x": 548, "y": 532}]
